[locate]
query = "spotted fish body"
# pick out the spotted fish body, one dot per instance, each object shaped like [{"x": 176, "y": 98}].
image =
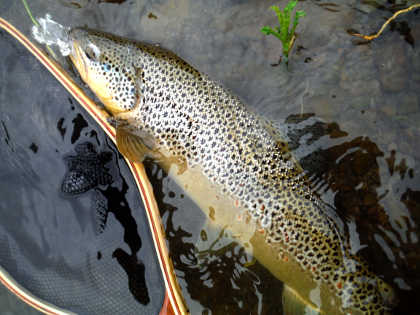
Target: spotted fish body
[{"x": 180, "y": 115}]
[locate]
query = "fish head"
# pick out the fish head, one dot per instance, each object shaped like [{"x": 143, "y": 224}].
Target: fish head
[{"x": 105, "y": 64}]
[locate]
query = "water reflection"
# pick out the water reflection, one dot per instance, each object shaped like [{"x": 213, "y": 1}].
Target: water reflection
[
  {"x": 90, "y": 170},
  {"x": 365, "y": 184},
  {"x": 86, "y": 170},
  {"x": 214, "y": 269},
  {"x": 350, "y": 174}
]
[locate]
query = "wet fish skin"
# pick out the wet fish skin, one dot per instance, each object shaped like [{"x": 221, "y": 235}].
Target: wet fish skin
[{"x": 168, "y": 110}]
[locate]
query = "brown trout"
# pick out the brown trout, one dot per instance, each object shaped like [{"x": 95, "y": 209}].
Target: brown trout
[{"x": 233, "y": 163}]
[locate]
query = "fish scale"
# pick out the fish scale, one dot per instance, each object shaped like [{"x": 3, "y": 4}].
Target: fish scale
[{"x": 176, "y": 111}]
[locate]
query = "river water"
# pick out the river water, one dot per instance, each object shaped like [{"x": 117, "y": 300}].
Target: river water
[{"x": 350, "y": 110}]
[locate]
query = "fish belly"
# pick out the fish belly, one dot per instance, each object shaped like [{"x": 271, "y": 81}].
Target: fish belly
[{"x": 301, "y": 294}]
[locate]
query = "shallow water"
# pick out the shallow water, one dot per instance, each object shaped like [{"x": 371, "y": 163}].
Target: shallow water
[{"x": 362, "y": 158}]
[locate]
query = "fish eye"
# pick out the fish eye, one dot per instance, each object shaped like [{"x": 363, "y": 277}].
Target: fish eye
[{"x": 90, "y": 54}]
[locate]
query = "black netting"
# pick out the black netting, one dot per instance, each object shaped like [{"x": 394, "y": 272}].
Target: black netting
[{"x": 73, "y": 229}]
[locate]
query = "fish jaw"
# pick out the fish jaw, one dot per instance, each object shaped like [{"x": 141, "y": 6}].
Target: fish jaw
[
  {"x": 78, "y": 56},
  {"x": 78, "y": 60}
]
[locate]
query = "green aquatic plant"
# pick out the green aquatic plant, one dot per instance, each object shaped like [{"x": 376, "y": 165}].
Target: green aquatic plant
[
  {"x": 35, "y": 22},
  {"x": 284, "y": 31},
  {"x": 29, "y": 12}
]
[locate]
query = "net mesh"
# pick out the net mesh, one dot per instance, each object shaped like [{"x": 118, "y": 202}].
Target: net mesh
[{"x": 73, "y": 229}]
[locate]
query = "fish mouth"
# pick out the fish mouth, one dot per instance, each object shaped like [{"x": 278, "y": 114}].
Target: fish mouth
[
  {"x": 78, "y": 37},
  {"x": 78, "y": 59}
]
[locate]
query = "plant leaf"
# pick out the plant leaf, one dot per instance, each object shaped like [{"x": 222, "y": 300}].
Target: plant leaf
[
  {"x": 266, "y": 30},
  {"x": 284, "y": 26},
  {"x": 283, "y": 31},
  {"x": 280, "y": 17},
  {"x": 275, "y": 9},
  {"x": 290, "y": 6},
  {"x": 298, "y": 15}
]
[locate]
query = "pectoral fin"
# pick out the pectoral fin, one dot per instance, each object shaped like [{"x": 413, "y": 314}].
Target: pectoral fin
[{"x": 134, "y": 147}]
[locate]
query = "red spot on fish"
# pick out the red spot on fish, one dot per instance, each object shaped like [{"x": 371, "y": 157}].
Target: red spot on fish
[
  {"x": 261, "y": 231},
  {"x": 339, "y": 285},
  {"x": 262, "y": 207},
  {"x": 236, "y": 203},
  {"x": 285, "y": 258},
  {"x": 313, "y": 269}
]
